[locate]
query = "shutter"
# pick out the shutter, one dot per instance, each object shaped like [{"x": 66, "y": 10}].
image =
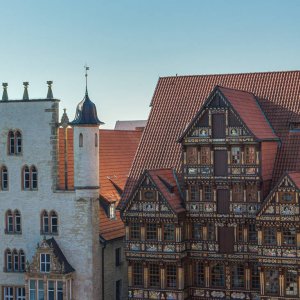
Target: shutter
[
  {"x": 220, "y": 163},
  {"x": 223, "y": 201},
  {"x": 218, "y": 126},
  {"x": 226, "y": 240}
]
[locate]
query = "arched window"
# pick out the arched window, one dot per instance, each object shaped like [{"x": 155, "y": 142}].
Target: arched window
[
  {"x": 14, "y": 142},
  {"x": 96, "y": 140},
  {"x": 44, "y": 222},
  {"x": 26, "y": 178},
  {"x": 15, "y": 256},
  {"x": 54, "y": 222},
  {"x": 8, "y": 260},
  {"x": 11, "y": 142},
  {"x": 80, "y": 140},
  {"x": 9, "y": 222},
  {"x": 4, "y": 178},
  {"x": 21, "y": 261},
  {"x": 18, "y": 226},
  {"x": 30, "y": 178},
  {"x": 34, "y": 178},
  {"x": 18, "y": 139}
]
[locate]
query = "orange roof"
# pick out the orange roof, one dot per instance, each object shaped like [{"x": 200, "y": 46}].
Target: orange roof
[
  {"x": 246, "y": 105},
  {"x": 117, "y": 151},
  {"x": 176, "y": 101},
  {"x": 166, "y": 182}
]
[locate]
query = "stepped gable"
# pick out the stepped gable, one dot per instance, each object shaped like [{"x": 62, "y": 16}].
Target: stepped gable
[{"x": 177, "y": 100}]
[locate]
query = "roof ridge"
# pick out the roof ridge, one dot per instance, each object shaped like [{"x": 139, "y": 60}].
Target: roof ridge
[
  {"x": 238, "y": 73},
  {"x": 232, "y": 89}
]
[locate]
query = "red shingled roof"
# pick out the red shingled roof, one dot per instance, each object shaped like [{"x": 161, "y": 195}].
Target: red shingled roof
[
  {"x": 176, "y": 100},
  {"x": 245, "y": 104},
  {"x": 166, "y": 182},
  {"x": 117, "y": 151},
  {"x": 295, "y": 176}
]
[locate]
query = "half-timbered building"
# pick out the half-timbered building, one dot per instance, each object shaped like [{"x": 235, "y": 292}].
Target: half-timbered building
[{"x": 211, "y": 206}]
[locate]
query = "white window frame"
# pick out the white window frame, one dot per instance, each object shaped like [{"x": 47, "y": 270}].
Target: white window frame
[{"x": 44, "y": 263}]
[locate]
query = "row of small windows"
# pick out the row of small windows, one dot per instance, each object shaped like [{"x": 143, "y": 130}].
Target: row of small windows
[
  {"x": 14, "y": 293},
  {"x": 202, "y": 155},
  {"x": 29, "y": 178},
  {"x": 49, "y": 222},
  {"x": 81, "y": 140},
  {"x": 14, "y": 260},
  {"x": 168, "y": 231}
]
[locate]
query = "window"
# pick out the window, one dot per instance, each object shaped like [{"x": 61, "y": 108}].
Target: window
[
  {"x": 135, "y": 231},
  {"x": 207, "y": 193},
  {"x": 51, "y": 290},
  {"x": 8, "y": 260},
  {"x": 21, "y": 261},
  {"x": 154, "y": 276},
  {"x": 250, "y": 155},
  {"x": 20, "y": 293},
  {"x": 191, "y": 155},
  {"x": 194, "y": 192},
  {"x": 211, "y": 232},
  {"x": 151, "y": 231},
  {"x": 255, "y": 278},
  {"x": 252, "y": 233},
  {"x": 14, "y": 142},
  {"x": 197, "y": 231},
  {"x": 270, "y": 236},
  {"x": 32, "y": 292},
  {"x": 171, "y": 276},
  {"x": 289, "y": 236},
  {"x": 112, "y": 211},
  {"x": 235, "y": 155},
  {"x": 41, "y": 292},
  {"x": 45, "y": 262},
  {"x": 199, "y": 274},
  {"x": 118, "y": 256},
  {"x": 217, "y": 276},
  {"x": 8, "y": 293},
  {"x": 137, "y": 274},
  {"x": 96, "y": 140},
  {"x": 15, "y": 256},
  {"x": 49, "y": 223},
  {"x": 251, "y": 193},
  {"x": 287, "y": 197},
  {"x": 18, "y": 227},
  {"x": 205, "y": 155},
  {"x": 59, "y": 291},
  {"x": 80, "y": 140},
  {"x": 240, "y": 233},
  {"x": 118, "y": 289},
  {"x": 237, "y": 193},
  {"x": 9, "y": 222},
  {"x": 238, "y": 276},
  {"x": 4, "y": 178},
  {"x": 169, "y": 232},
  {"x": 291, "y": 285},
  {"x": 30, "y": 178},
  {"x": 271, "y": 282}
]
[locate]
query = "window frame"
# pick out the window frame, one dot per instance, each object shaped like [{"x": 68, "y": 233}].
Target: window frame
[
  {"x": 217, "y": 280},
  {"x": 268, "y": 238},
  {"x": 250, "y": 157},
  {"x": 169, "y": 231},
  {"x": 235, "y": 155},
  {"x": 151, "y": 233},
  {"x": 154, "y": 277},
  {"x": 45, "y": 264},
  {"x": 137, "y": 274},
  {"x": 171, "y": 276},
  {"x": 4, "y": 178}
]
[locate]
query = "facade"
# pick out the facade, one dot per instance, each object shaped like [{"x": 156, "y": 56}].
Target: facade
[
  {"x": 211, "y": 205},
  {"x": 51, "y": 238}
]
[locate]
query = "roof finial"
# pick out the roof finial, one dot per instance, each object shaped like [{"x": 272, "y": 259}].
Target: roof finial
[
  {"x": 4, "y": 95},
  {"x": 49, "y": 94},
  {"x": 25, "y": 94},
  {"x": 86, "y": 75}
]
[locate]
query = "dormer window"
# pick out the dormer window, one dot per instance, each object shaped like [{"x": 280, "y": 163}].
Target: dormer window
[
  {"x": 45, "y": 263},
  {"x": 112, "y": 211}
]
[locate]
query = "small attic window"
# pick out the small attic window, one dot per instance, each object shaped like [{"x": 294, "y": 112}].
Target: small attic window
[
  {"x": 112, "y": 211},
  {"x": 80, "y": 140}
]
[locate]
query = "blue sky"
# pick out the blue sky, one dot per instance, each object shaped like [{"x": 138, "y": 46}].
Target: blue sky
[{"x": 128, "y": 44}]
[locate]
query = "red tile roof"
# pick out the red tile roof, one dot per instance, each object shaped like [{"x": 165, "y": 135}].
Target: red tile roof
[
  {"x": 295, "y": 176},
  {"x": 176, "y": 100},
  {"x": 246, "y": 105},
  {"x": 166, "y": 182},
  {"x": 117, "y": 151}
]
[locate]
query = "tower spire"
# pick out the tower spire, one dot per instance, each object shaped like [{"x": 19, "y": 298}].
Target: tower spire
[{"x": 86, "y": 75}]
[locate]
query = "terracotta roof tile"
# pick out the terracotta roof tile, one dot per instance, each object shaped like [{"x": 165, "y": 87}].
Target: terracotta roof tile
[{"x": 176, "y": 100}]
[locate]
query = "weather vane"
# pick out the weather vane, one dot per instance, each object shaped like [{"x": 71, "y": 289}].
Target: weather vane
[{"x": 86, "y": 75}]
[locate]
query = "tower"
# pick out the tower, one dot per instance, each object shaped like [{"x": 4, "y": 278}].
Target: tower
[{"x": 86, "y": 184}]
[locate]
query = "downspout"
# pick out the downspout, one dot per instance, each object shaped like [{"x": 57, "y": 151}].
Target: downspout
[{"x": 103, "y": 243}]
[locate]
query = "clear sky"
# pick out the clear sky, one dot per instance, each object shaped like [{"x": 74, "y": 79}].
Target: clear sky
[{"x": 128, "y": 44}]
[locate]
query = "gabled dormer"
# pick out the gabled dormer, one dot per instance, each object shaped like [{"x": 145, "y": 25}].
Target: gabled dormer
[
  {"x": 157, "y": 194},
  {"x": 282, "y": 204},
  {"x": 228, "y": 138}
]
